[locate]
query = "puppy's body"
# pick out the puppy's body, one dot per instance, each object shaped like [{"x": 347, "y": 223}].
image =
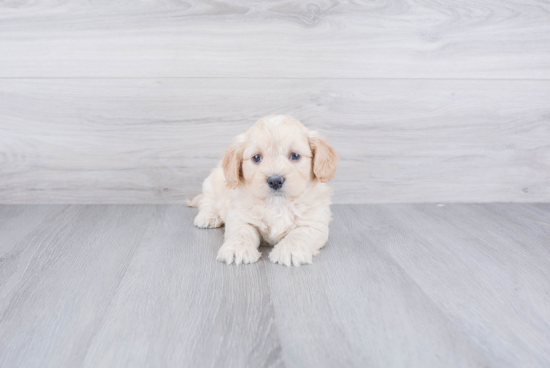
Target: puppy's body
[
  {"x": 272, "y": 217},
  {"x": 290, "y": 212}
]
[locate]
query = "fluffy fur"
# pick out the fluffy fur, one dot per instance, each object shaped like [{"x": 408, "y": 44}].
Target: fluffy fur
[{"x": 293, "y": 219}]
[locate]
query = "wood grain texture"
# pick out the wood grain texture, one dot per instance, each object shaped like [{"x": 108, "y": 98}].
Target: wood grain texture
[
  {"x": 63, "y": 277},
  {"x": 178, "y": 307},
  {"x": 85, "y": 285},
  {"x": 155, "y": 140},
  {"x": 507, "y": 301},
  {"x": 358, "y": 308},
  {"x": 319, "y": 38},
  {"x": 396, "y": 285}
]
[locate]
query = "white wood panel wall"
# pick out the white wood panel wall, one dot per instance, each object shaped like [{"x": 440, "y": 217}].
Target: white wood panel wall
[{"x": 133, "y": 102}]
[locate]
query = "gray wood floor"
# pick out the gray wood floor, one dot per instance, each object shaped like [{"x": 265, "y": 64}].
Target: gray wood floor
[{"x": 396, "y": 286}]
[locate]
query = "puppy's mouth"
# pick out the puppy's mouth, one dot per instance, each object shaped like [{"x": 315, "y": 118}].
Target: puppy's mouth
[
  {"x": 276, "y": 196},
  {"x": 276, "y": 193}
]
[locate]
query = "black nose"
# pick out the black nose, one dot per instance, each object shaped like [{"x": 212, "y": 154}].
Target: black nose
[{"x": 275, "y": 181}]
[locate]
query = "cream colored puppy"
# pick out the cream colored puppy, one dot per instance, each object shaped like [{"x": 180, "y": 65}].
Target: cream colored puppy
[{"x": 270, "y": 188}]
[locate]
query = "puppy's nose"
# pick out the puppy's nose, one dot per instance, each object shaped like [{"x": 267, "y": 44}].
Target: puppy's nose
[{"x": 275, "y": 181}]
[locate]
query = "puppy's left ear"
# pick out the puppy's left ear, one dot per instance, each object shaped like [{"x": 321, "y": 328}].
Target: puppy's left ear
[
  {"x": 232, "y": 163},
  {"x": 325, "y": 158}
]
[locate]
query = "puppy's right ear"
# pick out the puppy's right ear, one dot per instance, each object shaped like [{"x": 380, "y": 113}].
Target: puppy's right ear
[
  {"x": 325, "y": 158},
  {"x": 232, "y": 162}
]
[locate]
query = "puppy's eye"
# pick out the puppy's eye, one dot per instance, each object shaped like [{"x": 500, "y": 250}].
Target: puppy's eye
[
  {"x": 257, "y": 158},
  {"x": 294, "y": 156}
]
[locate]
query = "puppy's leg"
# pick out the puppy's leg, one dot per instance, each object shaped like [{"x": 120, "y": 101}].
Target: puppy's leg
[
  {"x": 241, "y": 244},
  {"x": 208, "y": 217},
  {"x": 211, "y": 201},
  {"x": 299, "y": 245}
]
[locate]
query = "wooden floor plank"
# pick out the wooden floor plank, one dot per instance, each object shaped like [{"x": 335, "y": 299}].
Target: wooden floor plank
[
  {"x": 356, "y": 307},
  {"x": 484, "y": 278},
  {"x": 18, "y": 221},
  {"x": 177, "y": 306},
  {"x": 231, "y": 38},
  {"x": 416, "y": 285},
  {"x": 154, "y": 140},
  {"x": 66, "y": 273}
]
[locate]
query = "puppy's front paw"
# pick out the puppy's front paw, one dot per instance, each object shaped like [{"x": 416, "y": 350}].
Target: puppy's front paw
[
  {"x": 208, "y": 219},
  {"x": 239, "y": 253},
  {"x": 286, "y": 253}
]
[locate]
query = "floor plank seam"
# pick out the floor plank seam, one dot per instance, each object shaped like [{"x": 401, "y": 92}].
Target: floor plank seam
[{"x": 114, "y": 290}]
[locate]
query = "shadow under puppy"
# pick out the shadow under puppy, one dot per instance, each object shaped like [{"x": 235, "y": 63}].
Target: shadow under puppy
[{"x": 270, "y": 188}]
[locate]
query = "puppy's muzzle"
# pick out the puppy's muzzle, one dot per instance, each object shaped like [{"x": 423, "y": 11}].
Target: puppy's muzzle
[{"x": 275, "y": 182}]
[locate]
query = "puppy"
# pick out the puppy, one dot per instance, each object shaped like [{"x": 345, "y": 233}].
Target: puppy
[{"x": 269, "y": 188}]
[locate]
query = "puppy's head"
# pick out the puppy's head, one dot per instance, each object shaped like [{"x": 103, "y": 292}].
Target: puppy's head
[{"x": 279, "y": 157}]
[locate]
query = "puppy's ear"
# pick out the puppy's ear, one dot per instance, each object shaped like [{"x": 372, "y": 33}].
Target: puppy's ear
[
  {"x": 325, "y": 158},
  {"x": 231, "y": 163}
]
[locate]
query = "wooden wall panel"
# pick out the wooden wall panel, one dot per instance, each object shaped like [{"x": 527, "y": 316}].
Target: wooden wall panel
[
  {"x": 313, "y": 39},
  {"x": 154, "y": 140}
]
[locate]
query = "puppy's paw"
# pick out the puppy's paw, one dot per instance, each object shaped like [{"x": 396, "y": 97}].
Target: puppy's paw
[
  {"x": 239, "y": 253},
  {"x": 286, "y": 253},
  {"x": 208, "y": 219}
]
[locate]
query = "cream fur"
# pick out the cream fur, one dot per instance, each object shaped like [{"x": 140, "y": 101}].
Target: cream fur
[{"x": 294, "y": 219}]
